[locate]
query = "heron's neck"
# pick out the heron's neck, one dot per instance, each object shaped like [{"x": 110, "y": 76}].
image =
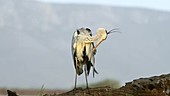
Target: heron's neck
[
  {"x": 96, "y": 37},
  {"x": 90, "y": 39}
]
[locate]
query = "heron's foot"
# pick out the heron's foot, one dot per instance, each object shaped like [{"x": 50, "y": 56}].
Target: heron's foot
[
  {"x": 75, "y": 90},
  {"x": 79, "y": 88},
  {"x": 88, "y": 90}
]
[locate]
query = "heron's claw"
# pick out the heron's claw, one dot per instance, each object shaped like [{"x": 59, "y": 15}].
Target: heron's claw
[{"x": 94, "y": 50}]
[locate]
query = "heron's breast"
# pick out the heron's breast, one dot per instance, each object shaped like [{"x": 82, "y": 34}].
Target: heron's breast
[
  {"x": 89, "y": 49},
  {"x": 80, "y": 49}
]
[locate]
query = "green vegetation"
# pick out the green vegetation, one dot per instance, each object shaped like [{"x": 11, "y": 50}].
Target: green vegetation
[{"x": 107, "y": 82}]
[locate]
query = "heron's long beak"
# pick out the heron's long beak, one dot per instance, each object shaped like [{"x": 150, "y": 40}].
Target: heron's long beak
[{"x": 114, "y": 30}]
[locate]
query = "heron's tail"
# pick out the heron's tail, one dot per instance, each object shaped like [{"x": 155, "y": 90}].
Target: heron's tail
[
  {"x": 88, "y": 68},
  {"x": 94, "y": 71},
  {"x": 79, "y": 70}
]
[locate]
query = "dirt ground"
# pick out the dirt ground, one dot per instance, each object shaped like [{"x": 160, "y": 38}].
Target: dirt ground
[{"x": 152, "y": 86}]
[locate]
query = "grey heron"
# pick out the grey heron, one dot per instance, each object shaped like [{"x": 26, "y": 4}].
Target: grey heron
[{"x": 84, "y": 50}]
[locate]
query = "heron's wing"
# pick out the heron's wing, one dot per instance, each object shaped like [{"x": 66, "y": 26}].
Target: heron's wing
[
  {"x": 73, "y": 48},
  {"x": 94, "y": 52},
  {"x": 90, "y": 55},
  {"x": 90, "y": 58}
]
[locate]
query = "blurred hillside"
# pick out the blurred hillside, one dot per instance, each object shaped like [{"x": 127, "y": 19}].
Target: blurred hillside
[{"x": 35, "y": 40}]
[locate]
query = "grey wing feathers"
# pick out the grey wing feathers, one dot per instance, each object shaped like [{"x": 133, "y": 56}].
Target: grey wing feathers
[{"x": 73, "y": 51}]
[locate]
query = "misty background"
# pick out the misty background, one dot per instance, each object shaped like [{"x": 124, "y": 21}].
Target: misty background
[{"x": 35, "y": 42}]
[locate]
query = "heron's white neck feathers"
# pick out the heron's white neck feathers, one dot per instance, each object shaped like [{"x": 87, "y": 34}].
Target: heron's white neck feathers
[{"x": 100, "y": 34}]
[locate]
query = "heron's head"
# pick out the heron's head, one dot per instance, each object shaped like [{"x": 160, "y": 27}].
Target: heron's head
[
  {"x": 83, "y": 31},
  {"x": 102, "y": 32}
]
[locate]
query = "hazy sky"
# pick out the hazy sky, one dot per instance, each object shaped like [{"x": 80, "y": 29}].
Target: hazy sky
[{"x": 153, "y": 4}]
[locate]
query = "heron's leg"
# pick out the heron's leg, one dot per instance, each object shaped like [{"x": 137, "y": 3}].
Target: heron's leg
[
  {"x": 85, "y": 69},
  {"x": 75, "y": 81}
]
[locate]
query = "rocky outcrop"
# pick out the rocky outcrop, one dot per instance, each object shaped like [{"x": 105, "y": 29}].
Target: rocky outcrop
[{"x": 153, "y": 86}]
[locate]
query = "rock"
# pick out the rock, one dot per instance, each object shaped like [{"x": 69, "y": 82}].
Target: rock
[
  {"x": 153, "y": 86},
  {"x": 11, "y": 93}
]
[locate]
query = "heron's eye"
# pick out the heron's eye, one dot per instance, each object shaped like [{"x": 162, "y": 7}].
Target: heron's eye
[
  {"x": 88, "y": 29},
  {"x": 90, "y": 34},
  {"x": 78, "y": 32}
]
